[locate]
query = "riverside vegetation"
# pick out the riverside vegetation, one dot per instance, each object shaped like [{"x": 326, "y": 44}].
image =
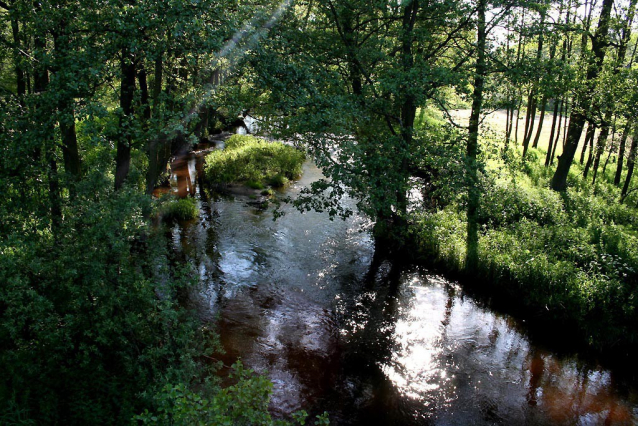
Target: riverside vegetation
[
  {"x": 254, "y": 162},
  {"x": 572, "y": 257}
]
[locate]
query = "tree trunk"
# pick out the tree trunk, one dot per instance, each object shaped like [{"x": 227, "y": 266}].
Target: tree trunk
[
  {"x": 508, "y": 137},
  {"x": 519, "y": 99},
  {"x": 539, "y": 52},
  {"x": 21, "y": 88},
  {"x": 631, "y": 161},
  {"x": 621, "y": 152},
  {"x": 507, "y": 125},
  {"x": 127, "y": 90},
  {"x": 508, "y": 91},
  {"x": 408, "y": 109},
  {"x": 530, "y": 107},
  {"x": 550, "y": 145},
  {"x": 145, "y": 101},
  {"x": 66, "y": 110},
  {"x": 590, "y": 159},
  {"x": 70, "y": 151},
  {"x": 474, "y": 192},
  {"x": 601, "y": 146},
  {"x": 578, "y": 117},
  {"x": 560, "y": 126},
  {"x": 518, "y": 114},
  {"x": 529, "y": 123},
  {"x": 40, "y": 86},
  {"x": 540, "y": 122},
  {"x": 589, "y": 136},
  {"x": 159, "y": 148},
  {"x": 611, "y": 151}
]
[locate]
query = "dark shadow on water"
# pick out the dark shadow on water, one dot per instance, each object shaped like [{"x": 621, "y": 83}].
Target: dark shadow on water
[{"x": 340, "y": 327}]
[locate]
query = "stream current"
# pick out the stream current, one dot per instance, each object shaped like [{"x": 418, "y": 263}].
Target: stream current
[{"x": 303, "y": 300}]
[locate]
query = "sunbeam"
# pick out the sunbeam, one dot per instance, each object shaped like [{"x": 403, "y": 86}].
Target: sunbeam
[{"x": 234, "y": 50}]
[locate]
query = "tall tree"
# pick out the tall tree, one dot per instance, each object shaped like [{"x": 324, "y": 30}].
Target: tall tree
[
  {"x": 471, "y": 260},
  {"x": 580, "y": 109},
  {"x": 358, "y": 76}
]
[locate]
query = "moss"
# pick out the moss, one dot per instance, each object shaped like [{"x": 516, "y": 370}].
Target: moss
[{"x": 254, "y": 162}]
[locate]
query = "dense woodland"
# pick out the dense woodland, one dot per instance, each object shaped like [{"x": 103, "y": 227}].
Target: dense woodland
[{"x": 392, "y": 100}]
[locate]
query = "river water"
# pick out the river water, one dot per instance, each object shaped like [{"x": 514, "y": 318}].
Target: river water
[{"x": 304, "y": 301}]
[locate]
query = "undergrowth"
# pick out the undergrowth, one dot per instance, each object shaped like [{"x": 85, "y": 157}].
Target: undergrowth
[{"x": 572, "y": 256}]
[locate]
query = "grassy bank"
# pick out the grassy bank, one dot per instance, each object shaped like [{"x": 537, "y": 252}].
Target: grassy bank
[
  {"x": 571, "y": 257},
  {"x": 254, "y": 162}
]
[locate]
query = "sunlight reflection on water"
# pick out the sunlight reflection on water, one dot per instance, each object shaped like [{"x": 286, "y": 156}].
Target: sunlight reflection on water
[{"x": 373, "y": 343}]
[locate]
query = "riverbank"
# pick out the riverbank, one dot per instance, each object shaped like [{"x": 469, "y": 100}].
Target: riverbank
[{"x": 567, "y": 260}]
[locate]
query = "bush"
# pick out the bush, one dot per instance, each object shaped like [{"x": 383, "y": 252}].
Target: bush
[
  {"x": 91, "y": 330},
  {"x": 243, "y": 403},
  {"x": 182, "y": 209},
  {"x": 238, "y": 141},
  {"x": 254, "y": 161},
  {"x": 88, "y": 316}
]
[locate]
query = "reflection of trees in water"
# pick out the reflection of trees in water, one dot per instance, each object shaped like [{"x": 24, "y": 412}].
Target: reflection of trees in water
[
  {"x": 351, "y": 381},
  {"x": 369, "y": 321},
  {"x": 570, "y": 391},
  {"x": 536, "y": 369}
]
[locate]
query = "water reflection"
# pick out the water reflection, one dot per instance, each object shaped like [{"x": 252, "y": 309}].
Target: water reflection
[{"x": 304, "y": 300}]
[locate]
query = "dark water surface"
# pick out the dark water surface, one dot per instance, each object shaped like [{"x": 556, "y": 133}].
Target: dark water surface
[{"x": 303, "y": 300}]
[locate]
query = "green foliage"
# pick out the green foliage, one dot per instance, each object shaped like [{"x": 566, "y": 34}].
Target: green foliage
[
  {"x": 243, "y": 403},
  {"x": 182, "y": 209},
  {"x": 573, "y": 256},
  {"x": 255, "y": 162},
  {"x": 90, "y": 326},
  {"x": 238, "y": 141},
  {"x": 88, "y": 316},
  {"x": 353, "y": 85},
  {"x": 279, "y": 180},
  {"x": 508, "y": 202},
  {"x": 254, "y": 185}
]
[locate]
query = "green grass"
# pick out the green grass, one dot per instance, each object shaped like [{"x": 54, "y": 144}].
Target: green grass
[
  {"x": 254, "y": 162},
  {"x": 571, "y": 256}
]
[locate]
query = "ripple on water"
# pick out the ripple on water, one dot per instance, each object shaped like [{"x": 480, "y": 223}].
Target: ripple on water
[{"x": 300, "y": 299}]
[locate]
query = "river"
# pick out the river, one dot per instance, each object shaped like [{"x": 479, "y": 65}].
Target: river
[{"x": 304, "y": 301}]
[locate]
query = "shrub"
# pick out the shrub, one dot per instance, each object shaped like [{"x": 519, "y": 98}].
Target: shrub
[
  {"x": 238, "y": 141},
  {"x": 182, "y": 209},
  {"x": 278, "y": 181},
  {"x": 84, "y": 331},
  {"x": 243, "y": 403},
  {"x": 254, "y": 161}
]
